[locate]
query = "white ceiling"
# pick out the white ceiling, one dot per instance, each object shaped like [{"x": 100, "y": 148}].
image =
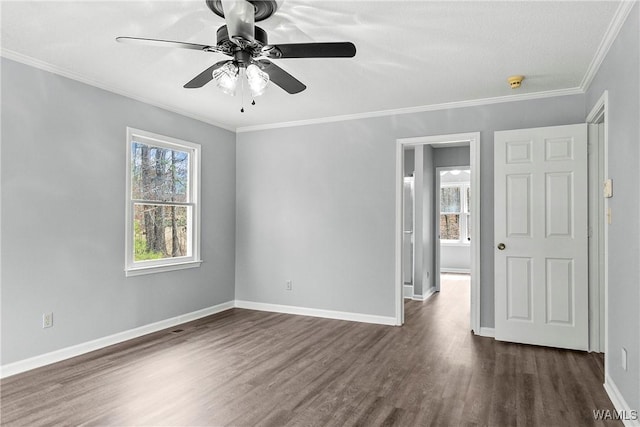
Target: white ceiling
[{"x": 409, "y": 53}]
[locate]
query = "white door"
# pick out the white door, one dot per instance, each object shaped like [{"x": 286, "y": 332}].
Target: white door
[{"x": 541, "y": 288}]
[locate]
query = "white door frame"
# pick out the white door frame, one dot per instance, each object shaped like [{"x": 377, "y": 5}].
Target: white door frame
[
  {"x": 598, "y": 160},
  {"x": 474, "y": 163}
]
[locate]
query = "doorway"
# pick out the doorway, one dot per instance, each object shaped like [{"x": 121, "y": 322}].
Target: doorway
[
  {"x": 422, "y": 145},
  {"x": 453, "y": 219}
]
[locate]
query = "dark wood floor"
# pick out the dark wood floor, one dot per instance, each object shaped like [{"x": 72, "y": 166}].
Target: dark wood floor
[{"x": 246, "y": 368}]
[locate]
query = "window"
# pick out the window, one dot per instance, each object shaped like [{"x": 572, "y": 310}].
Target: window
[
  {"x": 455, "y": 223},
  {"x": 163, "y": 214}
]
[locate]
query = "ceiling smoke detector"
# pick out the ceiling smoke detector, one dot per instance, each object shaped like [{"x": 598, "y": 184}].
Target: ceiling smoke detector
[{"x": 515, "y": 81}]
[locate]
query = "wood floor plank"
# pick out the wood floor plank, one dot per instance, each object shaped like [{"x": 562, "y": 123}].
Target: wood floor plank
[{"x": 250, "y": 368}]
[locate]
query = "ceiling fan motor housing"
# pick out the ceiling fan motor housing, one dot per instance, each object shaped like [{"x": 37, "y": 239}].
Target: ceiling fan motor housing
[
  {"x": 263, "y": 8},
  {"x": 222, "y": 36}
]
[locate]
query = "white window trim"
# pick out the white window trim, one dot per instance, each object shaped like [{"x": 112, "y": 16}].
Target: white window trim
[
  {"x": 464, "y": 211},
  {"x": 133, "y": 268}
]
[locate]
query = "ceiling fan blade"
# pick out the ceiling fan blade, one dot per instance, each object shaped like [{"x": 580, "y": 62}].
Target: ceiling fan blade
[
  {"x": 167, "y": 43},
  {"x": 311, "y": 50},
  {"x": 204, "y": 77},
  {"x": 281, "y": 78},
  {"x": 240, "y": 18}
]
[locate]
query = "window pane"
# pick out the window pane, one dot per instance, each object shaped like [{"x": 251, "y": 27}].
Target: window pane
[
  {"x": 450, "y": 227},
  {"x": 159, "y": 174},
  {"x": 450, "y": 199},
  {"x": 160, "y": 231}
]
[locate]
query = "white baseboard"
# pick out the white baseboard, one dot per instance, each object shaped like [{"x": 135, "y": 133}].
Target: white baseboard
[
  {"x": 79, "y": 349},
  {"x": 83, "y": 348},
  {"x": 486, "y": 332},
  {"x": 314, "y": 312},
  {"x": 621, "y": 405},
  {"x": 426, "y": 296}
]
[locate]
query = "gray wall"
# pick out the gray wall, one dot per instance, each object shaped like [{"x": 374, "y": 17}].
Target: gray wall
[
  {"x": 63, "y": 205},
  {"x": 451, "y": 156},
  {"x": 619, "y": 75},
  {"x": 316, "y": 203},
  {"x": 455, "y": 259}
]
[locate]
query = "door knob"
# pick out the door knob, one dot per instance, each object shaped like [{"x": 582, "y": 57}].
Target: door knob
[{"x": 501, "y": 246}]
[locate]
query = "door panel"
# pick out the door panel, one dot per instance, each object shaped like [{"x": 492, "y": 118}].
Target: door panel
[
  {"x": 559, "y": 291},
  {"x": 541, "y": 288},
  {"x": 519, "y": 211},
  {"x": 559, "y": 204},
  {"x": 519, "y": 291}
]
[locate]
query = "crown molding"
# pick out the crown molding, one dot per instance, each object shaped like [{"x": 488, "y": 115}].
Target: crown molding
[
  {"x": 619, "y": 18},
  {"x": 417, "y": 109},
  {"x": 45, "y": 66}
]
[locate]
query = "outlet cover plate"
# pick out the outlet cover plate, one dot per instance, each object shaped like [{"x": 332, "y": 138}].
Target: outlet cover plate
[{"x": 47, "y": 320}]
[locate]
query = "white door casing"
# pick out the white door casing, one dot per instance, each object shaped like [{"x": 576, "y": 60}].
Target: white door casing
[
  {"x": 473, "y": 138},
  {"x": 541, "y": 277}
]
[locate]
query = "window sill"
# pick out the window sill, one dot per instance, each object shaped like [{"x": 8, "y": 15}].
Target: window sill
[
  {"x": 460, "y": 244},
  {"x": 139, "y": 271}
]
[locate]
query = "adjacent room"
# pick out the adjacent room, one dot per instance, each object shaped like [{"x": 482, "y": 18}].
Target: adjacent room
[{"x": 296, "y": 212}]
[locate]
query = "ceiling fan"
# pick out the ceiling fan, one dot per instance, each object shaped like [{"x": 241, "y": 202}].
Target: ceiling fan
[{"x": 247, "y": 44}]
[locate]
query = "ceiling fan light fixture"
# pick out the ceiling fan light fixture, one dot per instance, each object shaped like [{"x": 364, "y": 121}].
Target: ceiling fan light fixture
[
  {"x": 226, "y": 78},
  {"x": 257, "y": 79}
]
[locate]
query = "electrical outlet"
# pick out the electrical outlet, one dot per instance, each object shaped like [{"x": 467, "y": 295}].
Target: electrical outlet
[
  {"x": 47, "y": 320},
  {"x": 289, "y": 285},
  {"x": 623, "y": 361}
]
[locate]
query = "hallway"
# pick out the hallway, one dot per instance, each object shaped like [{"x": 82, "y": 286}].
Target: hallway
[{"x": 473, "y": 379}]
